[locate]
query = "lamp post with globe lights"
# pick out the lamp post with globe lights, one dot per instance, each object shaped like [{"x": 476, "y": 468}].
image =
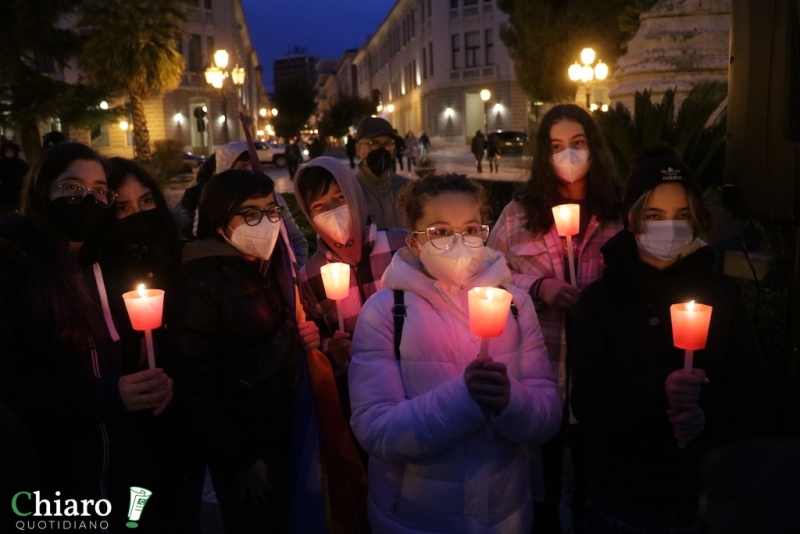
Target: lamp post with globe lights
[
  {"x": 215, "y": 76},
  {"x": 586, "y": 74}
]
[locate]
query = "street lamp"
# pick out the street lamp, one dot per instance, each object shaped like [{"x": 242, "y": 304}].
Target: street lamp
[
  {"x": 485, "y": 96},
  {"x": 587, "y": 74},
  {"x": 215, "y": 76}
]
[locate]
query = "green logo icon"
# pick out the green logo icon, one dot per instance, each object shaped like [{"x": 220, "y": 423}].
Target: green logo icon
[{"x": 139, "y": 498}]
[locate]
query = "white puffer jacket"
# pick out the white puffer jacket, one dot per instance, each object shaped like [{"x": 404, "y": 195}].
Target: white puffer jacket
[{"x": 433, "y": 466}]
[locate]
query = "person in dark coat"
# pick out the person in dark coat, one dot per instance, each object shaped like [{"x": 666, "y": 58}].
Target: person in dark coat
[
  {"x": 493, "y": 152},
  {"x": 293, "y": 157},
  {"x": 61, "y": 372},
  {"x": 350, "y": 147},
  {"x": 236, "y": 348},
  {"x": 478, "y": 147},
  {"x": 12, "y": 172},
  {"x": 649, "y": 422}
]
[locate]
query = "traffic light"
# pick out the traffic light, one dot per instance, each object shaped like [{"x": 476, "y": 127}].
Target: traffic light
[{"x": 200, "y": 115}]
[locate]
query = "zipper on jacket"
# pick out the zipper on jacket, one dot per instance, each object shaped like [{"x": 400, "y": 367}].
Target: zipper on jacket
[{"x": 103, "y": 430}]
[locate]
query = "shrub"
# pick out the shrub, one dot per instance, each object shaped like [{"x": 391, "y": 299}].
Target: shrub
[{"x": 167, "y": 160}]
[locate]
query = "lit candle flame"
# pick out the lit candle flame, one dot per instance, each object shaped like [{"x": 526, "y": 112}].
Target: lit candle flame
[
  {"x": 489, "y": 294},
  {"x": 690, "y": 306},
  {"x": 564, "y": 211},
  {"x": 141, "y": 291}
]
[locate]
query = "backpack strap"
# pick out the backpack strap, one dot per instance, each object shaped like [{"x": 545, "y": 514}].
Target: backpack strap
[{"x": 399, "y": 314}]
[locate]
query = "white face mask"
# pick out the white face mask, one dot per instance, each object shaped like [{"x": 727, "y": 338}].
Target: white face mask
[
  {"x": 665, "y": 240},
  {"x": 570, "y": 164},
  {"x": 335, "y": 223},
  {"x": 455, "y": 265},
  {"x": 258, "y": 241}
]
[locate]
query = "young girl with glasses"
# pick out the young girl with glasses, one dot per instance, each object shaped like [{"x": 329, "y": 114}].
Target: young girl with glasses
[
  {"x": 61, "y": 372},
  {"x": 448, "y": 432},
  {"x": 238, "y": 347}
]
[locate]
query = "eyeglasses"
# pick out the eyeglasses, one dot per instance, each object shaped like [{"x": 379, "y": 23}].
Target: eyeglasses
[
  {"x": 375, "y": 145},
  {"x": 444, "y": 237},
  {"x": 253, "y": 216},
  {"x": 74, "y": 193}
]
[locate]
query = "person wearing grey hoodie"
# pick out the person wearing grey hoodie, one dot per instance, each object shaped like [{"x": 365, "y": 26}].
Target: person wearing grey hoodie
[{"x": 332, "y": 200}]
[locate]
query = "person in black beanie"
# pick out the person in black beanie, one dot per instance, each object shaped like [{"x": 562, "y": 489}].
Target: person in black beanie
[{"x": 649, "y": 423}]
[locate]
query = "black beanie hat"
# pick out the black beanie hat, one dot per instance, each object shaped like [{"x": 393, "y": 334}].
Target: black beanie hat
[
  {"x": 373, "y": 127},
  {"x": 652, "y": 172}
]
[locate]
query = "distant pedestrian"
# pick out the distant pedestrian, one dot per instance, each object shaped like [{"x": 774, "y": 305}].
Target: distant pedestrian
[
  {"x": 399, "y": 149},
  {"x": 293, "y": 157},
  {"x": 411, "y": 149},
  {"x": 424, "y": 144},
  {"x": 478, "y": 147},
  {"x": 493, "y": 152},
  {"x": 350, "y": 146},
  {"x": 12, "y": 172}
]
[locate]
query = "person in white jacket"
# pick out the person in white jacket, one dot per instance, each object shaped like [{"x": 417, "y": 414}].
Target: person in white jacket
[{"x": 449, "y": 433}]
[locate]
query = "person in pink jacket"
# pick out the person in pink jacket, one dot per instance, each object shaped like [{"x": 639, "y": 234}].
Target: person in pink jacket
[
  {"x": 449, "y": 434},
  {"x": 571, "y": 165}
]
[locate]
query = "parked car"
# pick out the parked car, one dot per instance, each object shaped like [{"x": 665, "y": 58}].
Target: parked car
[
  {"x": 193, "y": 159},
  {"x": 512, "y": 142},
  {"x": 271, "y": 153}
]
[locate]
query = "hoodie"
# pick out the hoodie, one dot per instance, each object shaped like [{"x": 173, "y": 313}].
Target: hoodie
[
  {"x": 368, "y": 252},
  {"x": 433, "y": 465}
]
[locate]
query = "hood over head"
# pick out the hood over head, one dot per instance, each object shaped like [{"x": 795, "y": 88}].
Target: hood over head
[
  {"x": 228, "y": 153},
  {"x": 348, "y": 183}
]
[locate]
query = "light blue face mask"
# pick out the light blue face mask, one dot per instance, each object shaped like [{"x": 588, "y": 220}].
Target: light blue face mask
[
  {"x": 665, "y": 240},
  {"x": 571, "y": 164}
]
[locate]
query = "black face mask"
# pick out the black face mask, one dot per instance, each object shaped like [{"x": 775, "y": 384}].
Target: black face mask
[
  {"x": 139, "y": 229},
  {"x": 79, "y": 220},
  {"x": 379, "y": 161}
]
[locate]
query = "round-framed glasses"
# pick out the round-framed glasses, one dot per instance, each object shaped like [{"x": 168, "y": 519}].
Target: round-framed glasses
[
  {"x": 444, "y": 237},
  {"x": 74, "y": 193},
  {"x": 253, "y": 216}
]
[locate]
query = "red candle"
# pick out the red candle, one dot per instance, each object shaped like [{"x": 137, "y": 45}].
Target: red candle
[
  {"x": 568, "y": 224},
  {"x": 145, "y": 307},
  {"x": 488, "y": 310},
  {"x": 336, "y": 279},
  {"x": 568, "y": 219},
  {"x": 690, "y": 328}
]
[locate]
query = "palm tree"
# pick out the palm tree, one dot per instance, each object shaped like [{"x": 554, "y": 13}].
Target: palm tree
[{"x": 132, "y": 50}]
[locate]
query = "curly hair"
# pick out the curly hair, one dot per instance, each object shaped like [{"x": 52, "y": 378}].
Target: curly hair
[
  {"x": 540, "y": 192},
  {"x": 417, "y": 193}
]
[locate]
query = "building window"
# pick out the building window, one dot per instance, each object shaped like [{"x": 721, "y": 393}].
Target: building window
[
  {"x": 424, "y": 63},
  {"x": 470, "y": 3},
  {"x": 422, "y": 11},
  {"x": 208, "y": 4},
  {"x": 455, "y": 49},
  {"x": 472, "y": 43},
  {"x": 489, "y": 48},
  {"x": 430, "y": 55},
  {"x": 453, "y": 4},
  {"x": 413, "y": 25},
  {"x": 194, "y": 61},
  {"x": 429, "y": 8}
]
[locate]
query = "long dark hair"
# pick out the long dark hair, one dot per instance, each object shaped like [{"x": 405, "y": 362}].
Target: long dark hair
[
  {"x": 540, "y": 193},
  {"x": 166, "y": 244},
  {"x": 224, "y": 194},
  {"x": 60, "y": 290}
]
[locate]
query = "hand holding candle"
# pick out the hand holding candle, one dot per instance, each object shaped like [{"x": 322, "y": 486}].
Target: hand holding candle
[
  {"x": 336, "y": 279},
  {"x": 145, "y": 308},
  {"x": 568, "y": 223},
  {"x": 690, "y": 323}
]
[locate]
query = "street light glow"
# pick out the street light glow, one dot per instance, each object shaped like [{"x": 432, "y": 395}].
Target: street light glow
[
  {"x": 485, "y": 94},
  {"x": 123, "y": 125},
  {"x": 221, "y": 58},
  {"x": 390, "y": 108},
  {"x": 587, "y": 56},
  {"x": 103, "y": 105},
  {"x": 274, "y": 112},
  {"x": 262, "y": 112}
]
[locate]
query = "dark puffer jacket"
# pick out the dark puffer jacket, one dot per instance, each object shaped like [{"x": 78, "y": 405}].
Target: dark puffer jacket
[
  {"x": 235, "y": 348},
  {"x": 622, "y": 352},
  {"x": 66, "y": 397}
]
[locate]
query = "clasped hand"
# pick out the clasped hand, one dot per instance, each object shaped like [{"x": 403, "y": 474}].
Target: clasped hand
[
  {"x": 309, "y": 334},
  {"x": 683, "y": 394},
  {"x": 339, "y": 349},
  {"x": 558, "y": 294},
  {"x": 151, "y": 388},
  {"x": 487, "y": 382}
]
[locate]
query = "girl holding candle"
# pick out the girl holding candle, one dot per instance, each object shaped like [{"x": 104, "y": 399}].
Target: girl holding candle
[
  {"x": 571, "y": 165},
  {"x": 649, "y": 422},
  {"x": 60, "y": 371},
  {"x": 423, "y": 419},
  {"x": 237, "y": 348}
]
